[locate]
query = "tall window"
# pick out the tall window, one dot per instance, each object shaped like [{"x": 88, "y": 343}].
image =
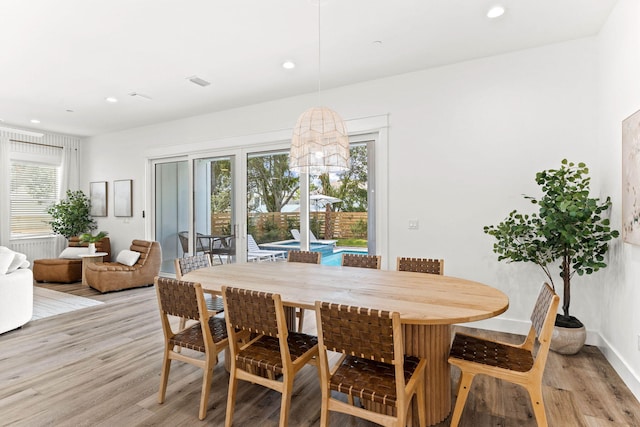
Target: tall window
[{"x": 34, "y": 187}]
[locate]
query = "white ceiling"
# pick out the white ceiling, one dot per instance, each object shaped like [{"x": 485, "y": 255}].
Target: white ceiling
[{"x": 72, "y": 54}]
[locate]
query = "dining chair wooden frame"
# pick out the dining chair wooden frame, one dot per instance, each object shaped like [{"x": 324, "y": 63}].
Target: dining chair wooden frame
[
  {"x": 208, "y": 335},
  {"x": 273, "y": 350},
  {"x": 514, "y": 363},
  {"x": 194, "y": 262},
  {"x": 308, "y": 257},
  {"x": 420, "y": 265},
  {"x": 362, "y": 261},
  {"x": 373, "y": 366}
]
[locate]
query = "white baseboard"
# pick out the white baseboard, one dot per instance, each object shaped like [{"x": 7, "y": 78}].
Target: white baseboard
[{"x": 630, "y": 378}]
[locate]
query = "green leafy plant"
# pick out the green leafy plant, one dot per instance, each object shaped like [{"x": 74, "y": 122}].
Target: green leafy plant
[
  {"x": 71, "y": 216},
  {"x": 569, "y": 227},
  {"x": 89, "y": 238}
]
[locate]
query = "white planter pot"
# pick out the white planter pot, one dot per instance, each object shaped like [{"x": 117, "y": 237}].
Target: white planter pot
[
  {"x": 568, "y": 340},
  {"x": 92, "y": 248}
]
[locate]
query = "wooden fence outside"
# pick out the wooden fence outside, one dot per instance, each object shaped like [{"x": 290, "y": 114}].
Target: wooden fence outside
[{"x": 274, "y": 226}]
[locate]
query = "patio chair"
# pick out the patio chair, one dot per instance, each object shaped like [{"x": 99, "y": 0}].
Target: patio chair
[
  {"x": 514, "y": 363},
  {"x": 254, "y": 251},
  {"x": 308, "y": 257},
  {"x": 274, "y": 350},
  {"x": 373, "y": 366},
  {"x": 312, "y": 238},
  {"x": 208, "y": 335},
  {"x": 183, "y": 236},
  {"x": 421, "y": 265},
  {"x": 224, "y": 245}
]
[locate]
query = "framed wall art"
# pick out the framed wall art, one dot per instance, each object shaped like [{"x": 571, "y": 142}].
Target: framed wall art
[
  {"x": 98, "y": 198},
  {"x": 122, "y": 197},
  {"x": 631, "y": 179}
]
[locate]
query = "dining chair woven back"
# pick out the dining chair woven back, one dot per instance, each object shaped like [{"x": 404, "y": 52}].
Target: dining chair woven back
[
  {"x": 421, "y": 265},
  {"x": 362, "y": 261},
  {"x": 208, "y": 335},
  {"x": 518, "y": 364},
  {"x": 373, "y": 368},
  {"x": 189, "y": 263},
  {"x": 272, "y": 352},
  {"x": 194, "y": 262},
  {"x": 308, "y": 257}
]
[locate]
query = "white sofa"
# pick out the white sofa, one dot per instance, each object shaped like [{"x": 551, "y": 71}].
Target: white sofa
[{"x": 16, "y": 290}]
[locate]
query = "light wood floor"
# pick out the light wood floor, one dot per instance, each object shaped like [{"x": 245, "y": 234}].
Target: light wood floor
[{"x": 100, "y": 366}]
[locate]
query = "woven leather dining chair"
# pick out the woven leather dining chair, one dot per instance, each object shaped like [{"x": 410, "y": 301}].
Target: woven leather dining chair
[
  {"x": 208, "y": 335},
  {"x": 309, "y": 257},
  {"x": 362, "y": 261},
  {"x": 421, "y": 265},
  {"x": 514, "y": 363},
  {"x": 373, "y": 367},
  {"x": 195, "y": 262},
  {"x": 274, "y": 351}
]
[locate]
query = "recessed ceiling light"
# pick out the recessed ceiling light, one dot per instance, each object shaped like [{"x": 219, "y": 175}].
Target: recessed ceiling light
[
  {"x": 69, "y": 110},
  {"x": 377, "y": 42},
  {"x": 288, "y": 65},
  {"x": 35, "y": 121},
  {"x": 111, "y": 99},
  {"x": 495, "y": 12}
]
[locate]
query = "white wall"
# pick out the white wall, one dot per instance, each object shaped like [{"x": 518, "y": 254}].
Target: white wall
[
  {"x": 465, "y": 142},
  {"x": 619, "y": 97}
]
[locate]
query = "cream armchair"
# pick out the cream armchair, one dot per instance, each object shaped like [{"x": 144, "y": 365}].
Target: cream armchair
[{"x": 114, "y": 276}]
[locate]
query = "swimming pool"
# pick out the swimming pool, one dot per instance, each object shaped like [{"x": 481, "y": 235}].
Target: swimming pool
[
  {"x": 330, "y": 256},
  {"x": 325, "y": 249},
  {"x": 336, "y": 257}
]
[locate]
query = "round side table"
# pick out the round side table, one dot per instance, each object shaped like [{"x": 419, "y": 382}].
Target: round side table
[{"x": 90, "y": 259}]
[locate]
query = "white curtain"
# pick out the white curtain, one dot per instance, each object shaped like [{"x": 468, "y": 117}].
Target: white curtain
[
  {"x": 5, "y": 172},
  {"x": 14, "y": 142},
  {"x": 70, "y": 179}
]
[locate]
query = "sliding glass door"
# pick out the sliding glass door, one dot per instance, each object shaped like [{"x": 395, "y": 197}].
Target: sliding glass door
[
  {"x": 214, "y": 225},
  {"x": 211, "y": 203},
  {"x": 171, "y": 209}
]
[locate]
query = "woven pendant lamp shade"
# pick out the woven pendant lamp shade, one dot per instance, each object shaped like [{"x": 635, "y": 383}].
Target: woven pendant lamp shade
[{"x": 320, "y": 143}]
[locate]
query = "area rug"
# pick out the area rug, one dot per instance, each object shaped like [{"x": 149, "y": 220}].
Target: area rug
[{"x": 47, "y": 303}]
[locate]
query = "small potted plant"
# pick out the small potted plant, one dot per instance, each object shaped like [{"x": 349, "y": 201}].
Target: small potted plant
[
  {"x": 91, "y": 240},
  {"x": 569, "y": 227}
]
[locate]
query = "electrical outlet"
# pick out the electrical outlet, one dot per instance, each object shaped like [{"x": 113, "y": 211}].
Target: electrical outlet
[{"x": 413, "y": 224}]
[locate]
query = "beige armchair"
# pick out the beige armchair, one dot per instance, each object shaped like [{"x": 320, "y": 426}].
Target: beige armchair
[{"x": 113, "y": 276}]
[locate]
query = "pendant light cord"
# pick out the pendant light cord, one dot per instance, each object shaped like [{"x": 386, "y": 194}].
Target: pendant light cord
[{"x": 319, "y": 62}]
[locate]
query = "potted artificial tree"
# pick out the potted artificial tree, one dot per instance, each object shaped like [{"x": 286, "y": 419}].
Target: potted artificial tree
[
  {"x": 569, "y": 227},
  {"x": 71, "y": 216}
]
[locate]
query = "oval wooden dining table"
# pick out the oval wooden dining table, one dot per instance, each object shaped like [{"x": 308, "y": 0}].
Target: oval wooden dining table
[{"x": 428, "y": 305}]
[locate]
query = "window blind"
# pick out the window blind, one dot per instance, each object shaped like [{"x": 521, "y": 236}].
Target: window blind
[{"x": 34, "y": 188}]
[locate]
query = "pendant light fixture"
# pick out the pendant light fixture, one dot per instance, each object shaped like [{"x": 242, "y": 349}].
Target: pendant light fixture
[{"x": 320, "y": 143}]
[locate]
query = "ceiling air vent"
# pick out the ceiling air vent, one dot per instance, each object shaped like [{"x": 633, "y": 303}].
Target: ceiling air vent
[
  {"x": 197, "y": 80},
  {"x": 139, "y": 95}
]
